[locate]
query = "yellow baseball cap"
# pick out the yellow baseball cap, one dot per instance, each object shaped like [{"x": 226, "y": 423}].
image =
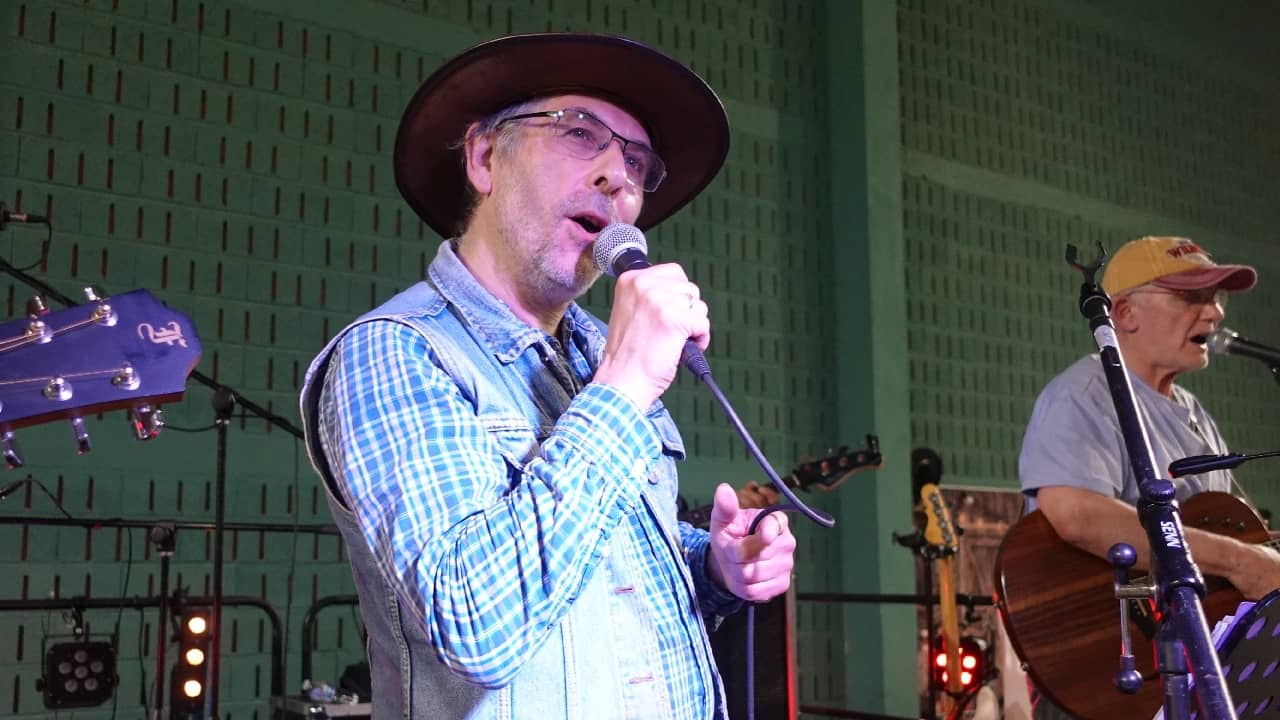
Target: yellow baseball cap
[{"x": 1174, "y": 263}]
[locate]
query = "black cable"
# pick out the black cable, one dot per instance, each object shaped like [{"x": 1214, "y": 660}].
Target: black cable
[
  {"x": 957, "y": 712},
  {"x": 207, "y": 428},
  {"x": 56, "y": 504},
  {"x": 176, "y": 428},
  {"x": 144, "y": 687},
  {"x": 44, "y": 249},
  {"x": 115, "y": 634},
  {"x": 293, "y": 557},
  {"x": 7, "y": 218},
  {"x": 818, "y": 516}
]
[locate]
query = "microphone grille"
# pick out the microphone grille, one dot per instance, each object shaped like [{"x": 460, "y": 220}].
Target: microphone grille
[
  {"x": 612, "y": 241},
  {"x": 1219, "y": 341}
]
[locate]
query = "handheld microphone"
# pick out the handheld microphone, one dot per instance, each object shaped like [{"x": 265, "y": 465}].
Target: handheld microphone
[
  {"x": 621, "y": 247},
  {"x": 1225, "y": 341}
]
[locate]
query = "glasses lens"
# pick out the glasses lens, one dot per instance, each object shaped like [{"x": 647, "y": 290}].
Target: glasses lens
[
  {"x": 644, "y": 167},
  {"x": 584, "y": 136},
  {"x": 1203, "y": 297}
]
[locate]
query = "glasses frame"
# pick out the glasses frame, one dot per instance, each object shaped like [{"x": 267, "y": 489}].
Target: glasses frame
[
  {"x": 558, "y": 115},
  {"x": 1189, "y": 297}
]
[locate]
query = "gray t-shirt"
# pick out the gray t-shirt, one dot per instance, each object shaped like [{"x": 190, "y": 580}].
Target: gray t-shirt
[{"x": 1074, "y": 437}]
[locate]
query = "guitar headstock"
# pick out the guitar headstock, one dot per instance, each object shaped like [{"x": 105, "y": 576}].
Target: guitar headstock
[
  {"x": 938, "y": 530},
  {"x": 827, "y": 473},
  {"x": 129, "y": 351}
]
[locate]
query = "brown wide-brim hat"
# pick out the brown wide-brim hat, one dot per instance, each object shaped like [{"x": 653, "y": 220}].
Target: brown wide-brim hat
[{"x": 686, "y": 122}]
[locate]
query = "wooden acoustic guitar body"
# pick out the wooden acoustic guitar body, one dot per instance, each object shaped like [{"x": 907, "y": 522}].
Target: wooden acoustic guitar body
[{"x": 1059, "y": 608}]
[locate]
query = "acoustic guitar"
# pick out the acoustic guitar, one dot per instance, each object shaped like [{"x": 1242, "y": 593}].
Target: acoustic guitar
[{"x": 1059, "y": 608}]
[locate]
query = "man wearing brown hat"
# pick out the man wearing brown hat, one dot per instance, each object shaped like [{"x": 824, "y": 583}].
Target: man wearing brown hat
[
  {"x": 1167, "y": 296},
  {"x": 504, "y": 474}
]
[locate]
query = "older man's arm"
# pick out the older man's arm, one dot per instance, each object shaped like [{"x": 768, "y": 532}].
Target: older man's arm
[{"x": 1094, "y": 522}]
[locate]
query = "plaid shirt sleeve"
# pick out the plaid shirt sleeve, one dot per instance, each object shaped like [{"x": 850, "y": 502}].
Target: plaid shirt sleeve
[
  {"x": 714, "y": 601},
  {"x": 491, "y": 564}
]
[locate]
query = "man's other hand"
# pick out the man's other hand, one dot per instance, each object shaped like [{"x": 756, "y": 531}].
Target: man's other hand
[{"x": 753, "y": 567}]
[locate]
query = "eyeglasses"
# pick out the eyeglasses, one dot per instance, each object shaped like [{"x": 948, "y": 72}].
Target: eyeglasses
[
  {"x": 1203, "y": 296},
  {"x": 584, "y": 136}
]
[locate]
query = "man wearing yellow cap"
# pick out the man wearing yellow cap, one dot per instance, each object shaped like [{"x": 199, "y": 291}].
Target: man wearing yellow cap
[{"x": 1167, "y": 296}]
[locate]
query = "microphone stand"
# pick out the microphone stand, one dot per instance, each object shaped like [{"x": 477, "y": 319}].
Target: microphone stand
[
  {"x": 224, "y": 401},
  {"x": 162, "y": 534},
  {"x": 1183, "y": 643}
]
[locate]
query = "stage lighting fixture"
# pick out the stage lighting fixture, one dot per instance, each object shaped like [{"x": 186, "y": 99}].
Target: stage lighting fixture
[
  {"x": 190, "y": 676},
  {"x": 79, "y": 673},
  {"x": 974, "y": 662}
]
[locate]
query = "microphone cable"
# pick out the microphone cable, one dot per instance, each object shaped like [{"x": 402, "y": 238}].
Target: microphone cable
[
  {"x": 621, "y": 247},
  {"x": 8, "y": 217}
]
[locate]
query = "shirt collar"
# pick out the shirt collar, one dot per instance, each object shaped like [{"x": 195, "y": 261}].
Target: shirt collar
[{"x": 506, "y": 335}]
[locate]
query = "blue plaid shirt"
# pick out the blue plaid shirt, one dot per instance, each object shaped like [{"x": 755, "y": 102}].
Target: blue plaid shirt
[{"x": 491, "y": 558}]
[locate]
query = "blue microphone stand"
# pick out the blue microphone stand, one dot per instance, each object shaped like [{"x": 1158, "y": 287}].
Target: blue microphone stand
[{"x": 1184, "y": 650}]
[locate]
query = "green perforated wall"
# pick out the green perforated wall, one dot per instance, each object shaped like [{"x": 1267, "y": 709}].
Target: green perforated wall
[
  {"x": 233, "y": 158},
  {"x": 1029, "y": 125},
  {"x": 882, "y": 253}
]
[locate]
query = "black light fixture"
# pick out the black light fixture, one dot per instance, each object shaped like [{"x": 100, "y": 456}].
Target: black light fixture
[
  {"x": 78, "y": 673},
  {"x": 190, "y": 677},
  {"x": 975, "y": 662}
]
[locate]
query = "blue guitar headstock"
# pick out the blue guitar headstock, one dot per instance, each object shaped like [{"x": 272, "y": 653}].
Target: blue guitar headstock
[{"x": 129, "y": 351}]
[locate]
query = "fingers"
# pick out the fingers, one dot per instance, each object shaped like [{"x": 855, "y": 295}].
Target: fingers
[
  {"x": 761, "y": 584},
  {"x": 769, "y": 572},
  {"x": 754, "y": 566},
  {"x": 771, "y": 539},
  {"x": 724, "y": 508},
  {"x": 656, "y": 311},
  {"x": 667, "y": 284},
  {"x": 774, "y": 526}
]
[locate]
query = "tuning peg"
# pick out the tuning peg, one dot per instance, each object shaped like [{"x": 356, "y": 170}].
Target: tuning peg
[
  {"x": 9, "y": 448},
  {"x": 36, "y": 307},
  {"x": 103, "y": 314},
  {"x": 82, "y": 436},
  {"x": 127, "y": 378},
  {"x": 146, "y": 421},
  {"x": 58, "y": 389},
  {"x": 37, "y": 329}
]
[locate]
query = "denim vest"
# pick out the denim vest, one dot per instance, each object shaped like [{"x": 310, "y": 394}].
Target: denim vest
[{"x": 605, "y": 638}]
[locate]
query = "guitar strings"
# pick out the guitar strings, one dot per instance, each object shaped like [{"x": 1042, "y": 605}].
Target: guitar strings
[
  {"x": 27, "y": 339},
  {"x": 46, "y": 378}
]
